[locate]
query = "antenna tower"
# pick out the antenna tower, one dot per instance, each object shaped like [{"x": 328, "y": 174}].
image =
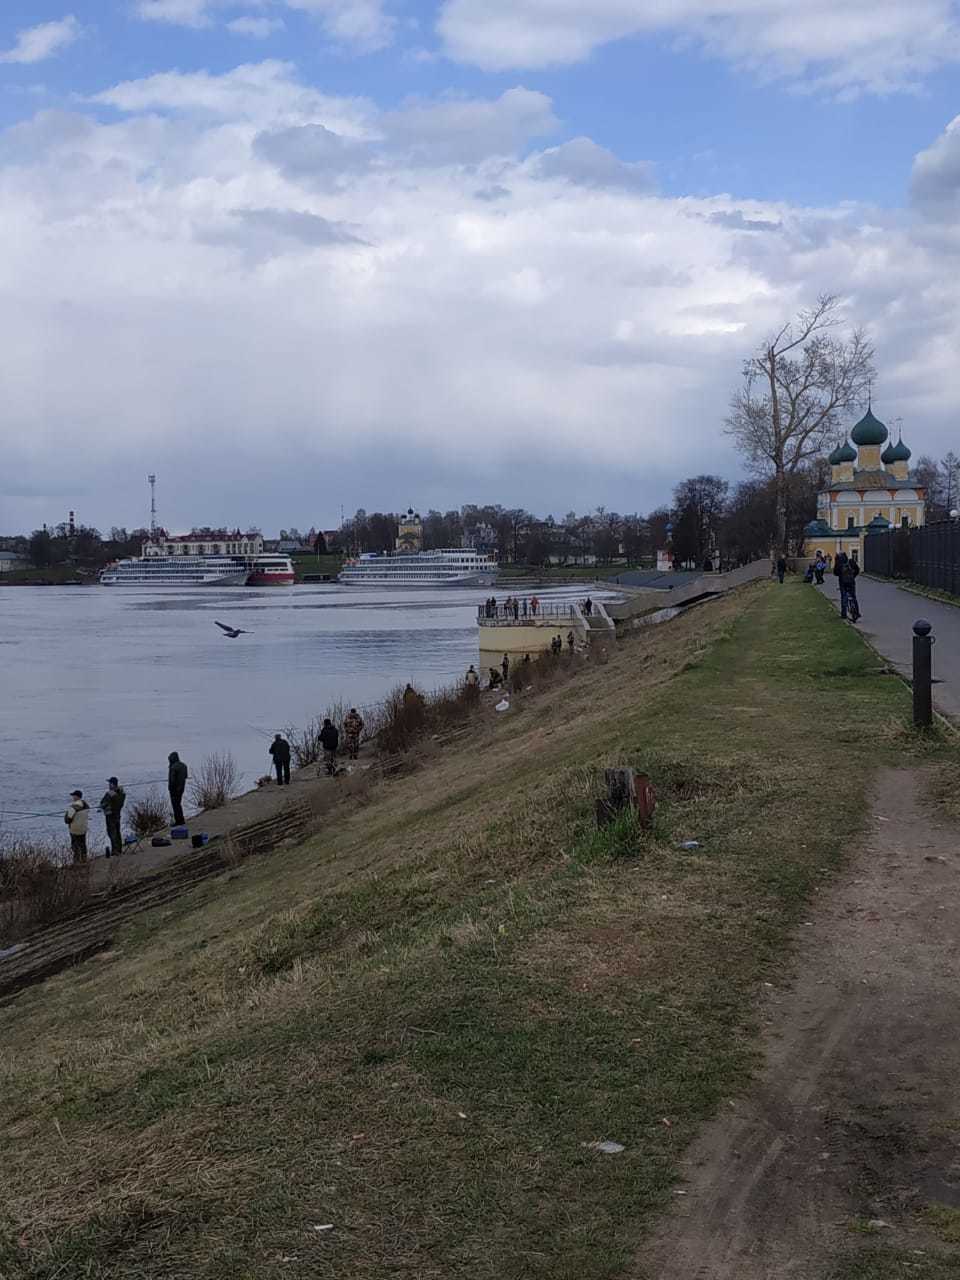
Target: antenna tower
[{"x": 152, "y": 481}]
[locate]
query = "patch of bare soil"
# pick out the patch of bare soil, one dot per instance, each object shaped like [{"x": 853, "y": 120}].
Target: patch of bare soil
[{"x": 852, "y": 1126}]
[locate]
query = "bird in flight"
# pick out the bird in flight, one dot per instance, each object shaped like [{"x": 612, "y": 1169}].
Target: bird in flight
[{"x": 232, "y": 632}]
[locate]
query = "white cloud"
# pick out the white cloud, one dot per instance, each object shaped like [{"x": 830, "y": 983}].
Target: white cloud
[
  {"x": 275, "y": 344},
  {"x": 35, "y": 44},
  {"x": 256, "y": 28},
  {"x": 844, "y": 47},
  {"x": 361, "y": 25},
  {"x": 935, "y": 184}
]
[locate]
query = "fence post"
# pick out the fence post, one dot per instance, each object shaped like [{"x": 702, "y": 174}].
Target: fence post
[{"x": 922, "y": 674}]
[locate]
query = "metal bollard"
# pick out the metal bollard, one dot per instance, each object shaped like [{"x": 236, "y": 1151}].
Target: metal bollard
[{"x": 922, "y": 674}]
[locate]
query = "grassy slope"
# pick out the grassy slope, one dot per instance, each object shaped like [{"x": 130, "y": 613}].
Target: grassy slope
[
  {"x": 316, "y": 564},
  {"x": 409, "y": 1027}
]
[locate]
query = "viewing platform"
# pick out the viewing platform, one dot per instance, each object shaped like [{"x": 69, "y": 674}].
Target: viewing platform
[{"x": 527, "y": 627}]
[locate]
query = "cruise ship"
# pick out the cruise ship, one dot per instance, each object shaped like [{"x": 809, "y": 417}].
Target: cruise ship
[
  {"x": 176, "y": 571},
  {"x": 451, "y": 567},
  {"x": 270, "y": 571}
]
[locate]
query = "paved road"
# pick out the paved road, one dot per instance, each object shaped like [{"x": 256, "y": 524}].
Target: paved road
[{"x": 889, "y": 613}]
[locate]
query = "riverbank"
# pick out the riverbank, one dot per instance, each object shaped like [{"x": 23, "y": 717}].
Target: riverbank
[{"x": 394, "y": 1048}]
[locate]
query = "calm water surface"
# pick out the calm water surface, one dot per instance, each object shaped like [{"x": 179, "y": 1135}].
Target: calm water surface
[{"x": 97, "y": 681}]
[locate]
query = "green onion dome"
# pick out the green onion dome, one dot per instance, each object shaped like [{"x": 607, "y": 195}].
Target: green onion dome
[
  {"x": 842, "y": 453},
  {"x": 869, "y": 430}
]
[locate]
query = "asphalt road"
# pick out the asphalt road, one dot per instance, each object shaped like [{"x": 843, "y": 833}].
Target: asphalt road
[{"x": 888, "y": 613}]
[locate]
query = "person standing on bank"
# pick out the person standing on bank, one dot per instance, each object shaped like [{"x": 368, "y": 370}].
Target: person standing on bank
[
  {"x": 176, "y": 785},
  {"x": 781, "y": 569},
  {"x": 352, "y": 729},
  {"x": 280, "y": 750},
  {"x": 505, "y": 667},
  {"x": 111, "y": 806},
  {"x": 329, "y": 740},
  {"x": 77, "y": 819}
]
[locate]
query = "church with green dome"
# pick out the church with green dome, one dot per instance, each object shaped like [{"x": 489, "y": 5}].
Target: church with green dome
[{"x": 868, "y": 490}]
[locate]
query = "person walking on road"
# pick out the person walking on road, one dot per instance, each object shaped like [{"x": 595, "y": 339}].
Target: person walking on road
[
  {"x": 781, "y": 569},
  {"x": 77, "y": 818},
  {"x": 329, "y": 741},
  {"x": 111, "y": 805},
  {"x": 280, "y": 750},
  {"x": 176, "y": 785},
  {"x": 352, "y": 729}
]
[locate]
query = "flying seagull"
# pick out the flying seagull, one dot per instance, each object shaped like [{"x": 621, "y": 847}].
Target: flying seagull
[{"x": 232, "y": 632}]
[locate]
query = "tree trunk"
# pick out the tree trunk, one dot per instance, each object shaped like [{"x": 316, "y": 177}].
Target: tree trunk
[{"x": 781, "y": 512}]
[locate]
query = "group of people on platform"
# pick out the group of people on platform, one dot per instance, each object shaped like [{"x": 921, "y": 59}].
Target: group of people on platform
[{"x": 512, "y": 605}]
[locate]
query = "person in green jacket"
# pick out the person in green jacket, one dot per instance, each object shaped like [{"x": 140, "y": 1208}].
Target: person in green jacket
[{"x": 111, "y": 806}]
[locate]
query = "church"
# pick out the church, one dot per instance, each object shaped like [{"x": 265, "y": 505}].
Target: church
[{"x": 868, "y": 490}]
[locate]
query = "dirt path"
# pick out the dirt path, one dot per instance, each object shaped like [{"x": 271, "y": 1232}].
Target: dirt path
[{"x": 854, "y": 1117}]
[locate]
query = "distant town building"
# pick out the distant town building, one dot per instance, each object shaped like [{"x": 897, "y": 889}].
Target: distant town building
[
  {"x": 868, "y": 490},
  {"x": 481, "y": 537},
  {"x": 212, "y": 542},
  {"x": 9, "y": 561},
  {"x": 410, "y": 532}
]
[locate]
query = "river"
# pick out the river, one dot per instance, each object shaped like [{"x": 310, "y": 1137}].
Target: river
[{"x": 97, "y": 681}]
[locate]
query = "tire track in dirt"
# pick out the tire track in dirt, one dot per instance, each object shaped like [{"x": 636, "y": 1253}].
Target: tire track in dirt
[{"x": 854, "y": 1118}]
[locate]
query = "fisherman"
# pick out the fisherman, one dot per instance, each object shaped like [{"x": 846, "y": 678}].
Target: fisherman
[
  {"x": 505, "y": 667},
  {"x": 570, "y": 641},
  {"x": 352, "y": 729},
  {"x": 280, "y": 750},
  {"x": 329, "y": 740},
  {"x": 494, "y": 678},
  {"x": 176, "y": 785},
  {"x": 111, "y": 805},
  {"x": 556, "y": 646},
  {"x": 472, "y": 684},
  {"x": 77, "y": 818}
]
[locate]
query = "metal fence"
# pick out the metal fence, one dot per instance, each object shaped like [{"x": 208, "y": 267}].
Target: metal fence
[
  {"x": 501, "y": 615},
  {"x": 929, "y": 556}
]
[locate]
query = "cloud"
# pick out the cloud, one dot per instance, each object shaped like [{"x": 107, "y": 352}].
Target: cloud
[
  {"x": 256, "y": 28},
  {"x": 35, "y": 44},
  {"x": 856, "y": 46},
  {"x": 582, "y": 161},
  {"x": 361, "y": 25},
  {"x": 935, "y": 183},
  {"x": 178, "y": 267}
]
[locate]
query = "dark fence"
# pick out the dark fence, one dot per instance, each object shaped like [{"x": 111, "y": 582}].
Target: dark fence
[{"x": 929, "y": 556}]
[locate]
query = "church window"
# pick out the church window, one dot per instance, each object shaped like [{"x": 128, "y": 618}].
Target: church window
[{"x": 850, "y": 522}]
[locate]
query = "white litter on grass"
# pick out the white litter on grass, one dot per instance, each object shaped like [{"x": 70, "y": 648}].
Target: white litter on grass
[
  {"x": 327, "y": 1226},
  {"x": 502, "y": 706},
  {"x": 608, "y": 1148}
]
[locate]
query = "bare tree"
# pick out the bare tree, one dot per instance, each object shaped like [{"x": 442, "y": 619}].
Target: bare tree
[{"x": 795, "y": 388}]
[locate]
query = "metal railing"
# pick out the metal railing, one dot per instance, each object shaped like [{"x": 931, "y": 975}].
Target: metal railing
[
  {"x": 526, "y": 615},
  {"x": 929, "y": 555}
]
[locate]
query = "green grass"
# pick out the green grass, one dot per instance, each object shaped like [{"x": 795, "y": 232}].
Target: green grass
[
  {"x": 892, "y": 1264},
  {"x": 54, "y": 574},
  {"x": 411, "y": 1026}
]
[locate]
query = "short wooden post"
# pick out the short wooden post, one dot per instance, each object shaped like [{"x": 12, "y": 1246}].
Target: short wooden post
[{"x": 626, "y": 790}]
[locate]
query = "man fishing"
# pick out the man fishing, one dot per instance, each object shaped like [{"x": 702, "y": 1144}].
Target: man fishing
[
  {"x": 352, "y": 729},
  {"x": 111, "y": 805}
]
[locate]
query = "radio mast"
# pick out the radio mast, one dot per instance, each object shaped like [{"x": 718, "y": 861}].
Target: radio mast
[{"x": 152, "y": 481}]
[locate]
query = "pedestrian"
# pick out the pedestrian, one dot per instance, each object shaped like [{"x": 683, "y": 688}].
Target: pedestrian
[
  {"x": 176, "y": 785},
  {"x": 329, "y": 741},
  {"x": 472, "y": 684},
  {"x": 111, "y": 804},
  {"x": 819, "y": 568},
  {"x": 516, "y": 609},
  {"x": 781, "y": 568},
  {"x": 570, "y": 641},
  {"x": 77, "y": 818},
  {"x": 556, "y": 645},
  {"x": 588, "y": 606},
  {"x": 352, "y": 729},
  {"x": 847, "y": 570},
  {"x": 534, "y": 605},
  {"x": 505, "y": 667},
  {"x": 524, "y": 606},
  {"x": 280, "y": 750}
]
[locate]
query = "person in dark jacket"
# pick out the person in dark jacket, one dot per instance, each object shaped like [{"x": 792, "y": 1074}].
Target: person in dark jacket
[
  {"x": 176, "y": 785},
  {"x": 846, "y": 570},
  {"x": 781, "y": 568},
  {"x": 329, "y": 740},
  {"x": 111, "y": 805},
  {"x": 280, "y": 750}
]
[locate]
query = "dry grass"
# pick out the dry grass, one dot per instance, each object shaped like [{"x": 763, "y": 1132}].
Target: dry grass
[
  {"x": 147, "y": 815},
  {"x": 36, "y": 887},
  {"x": 216, "y": 781},
  {"x": 409, "y": 1026}
]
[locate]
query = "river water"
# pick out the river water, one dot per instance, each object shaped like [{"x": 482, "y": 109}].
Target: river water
[{"x": 97, "y": 681}]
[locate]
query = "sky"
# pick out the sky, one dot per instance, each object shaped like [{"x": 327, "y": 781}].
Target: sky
[{"x": 293, "y": 255}]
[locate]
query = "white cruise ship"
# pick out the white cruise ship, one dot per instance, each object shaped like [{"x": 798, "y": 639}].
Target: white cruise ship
[
  {"x": 451, "y": 567},
  {"x": 176, "y": 571}
]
